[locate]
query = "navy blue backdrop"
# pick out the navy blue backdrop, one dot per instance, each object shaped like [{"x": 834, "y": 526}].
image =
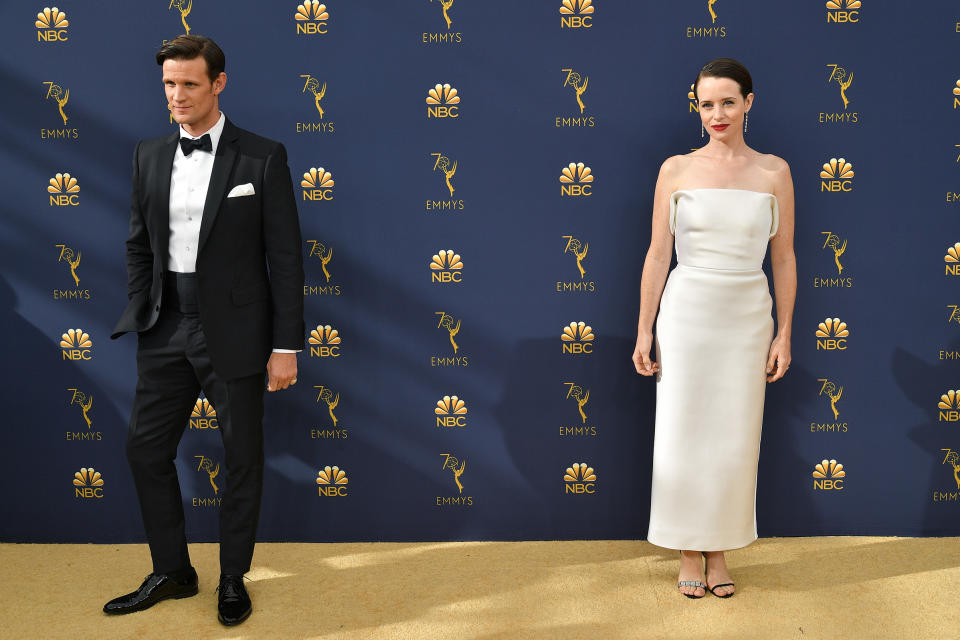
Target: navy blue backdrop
[{"x": 874, "y": 83}]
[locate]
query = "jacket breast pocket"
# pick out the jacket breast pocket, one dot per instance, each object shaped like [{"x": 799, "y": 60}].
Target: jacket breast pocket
[{"x": 249, "y": 294}]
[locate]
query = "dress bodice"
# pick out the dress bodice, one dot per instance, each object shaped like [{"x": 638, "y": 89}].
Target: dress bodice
[{"x": 722, "y": 228}]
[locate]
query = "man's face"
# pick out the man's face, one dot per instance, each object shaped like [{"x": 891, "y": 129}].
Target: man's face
[{"x": 190, "y": 93}]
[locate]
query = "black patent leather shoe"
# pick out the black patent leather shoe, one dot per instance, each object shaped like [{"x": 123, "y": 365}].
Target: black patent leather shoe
[
  {"x": 233, "y": 603},
  {"x": 156, "y": 587}
]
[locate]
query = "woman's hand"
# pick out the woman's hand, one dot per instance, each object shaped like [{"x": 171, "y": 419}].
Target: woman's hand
[
  {"x": 779, "y": 359},
  {"x": 641, "y": 355}
]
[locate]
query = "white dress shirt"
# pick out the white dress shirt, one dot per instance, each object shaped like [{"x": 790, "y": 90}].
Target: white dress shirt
[{"x": 188, "y": 192}]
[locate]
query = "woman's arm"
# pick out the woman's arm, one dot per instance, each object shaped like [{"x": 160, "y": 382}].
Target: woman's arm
[
  {"x": 784, "y": 263},
  {"x": 655, "y": 266}
]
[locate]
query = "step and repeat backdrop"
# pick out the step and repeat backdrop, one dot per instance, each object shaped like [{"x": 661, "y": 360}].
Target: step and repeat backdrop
[{"x": 474, "y": 182}]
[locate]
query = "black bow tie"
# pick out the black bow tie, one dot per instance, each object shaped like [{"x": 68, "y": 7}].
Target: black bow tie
[{"x": 202, "y": 143}]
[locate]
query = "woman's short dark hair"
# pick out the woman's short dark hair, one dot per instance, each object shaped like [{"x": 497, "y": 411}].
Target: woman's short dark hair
[
  {"x": 187, "y": 47},
  {"x": 726, "y": 68}
]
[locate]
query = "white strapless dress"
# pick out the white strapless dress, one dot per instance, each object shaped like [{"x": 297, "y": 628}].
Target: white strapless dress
[{"x": 713, "y": 337}]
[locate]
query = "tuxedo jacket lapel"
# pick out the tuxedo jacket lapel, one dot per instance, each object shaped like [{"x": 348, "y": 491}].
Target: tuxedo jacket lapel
[
  {"x": 223, "y": 163},
  {"x": 160, "y": 220}
]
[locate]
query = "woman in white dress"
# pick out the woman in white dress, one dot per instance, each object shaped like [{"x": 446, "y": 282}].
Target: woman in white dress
[{"x": 715, "y": 348}]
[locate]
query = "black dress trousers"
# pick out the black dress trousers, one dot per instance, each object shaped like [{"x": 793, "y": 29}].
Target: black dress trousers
[{"x": 172, "y": 367}]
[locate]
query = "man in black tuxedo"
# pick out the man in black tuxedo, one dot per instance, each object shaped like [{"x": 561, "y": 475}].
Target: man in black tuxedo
[{"x": 215, "y": 281}]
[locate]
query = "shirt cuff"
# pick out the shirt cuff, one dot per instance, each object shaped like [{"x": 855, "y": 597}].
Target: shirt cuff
[{"x": 287, "y": 350}]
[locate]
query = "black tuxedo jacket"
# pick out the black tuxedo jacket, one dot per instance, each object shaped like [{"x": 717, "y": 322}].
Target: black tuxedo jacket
[{"x": 249, "y": 260}]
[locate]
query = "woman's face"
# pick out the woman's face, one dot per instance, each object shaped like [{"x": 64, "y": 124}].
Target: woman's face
[{"x": 722, "y": 107}]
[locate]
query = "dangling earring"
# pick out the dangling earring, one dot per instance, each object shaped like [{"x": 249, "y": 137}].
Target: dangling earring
[
  {"x": 746, "y": 116},
  {"x": 701, "y": 129}
]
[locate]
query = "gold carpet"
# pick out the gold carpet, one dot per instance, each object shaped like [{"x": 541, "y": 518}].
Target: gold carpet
[{"x": 787, "y": 588}]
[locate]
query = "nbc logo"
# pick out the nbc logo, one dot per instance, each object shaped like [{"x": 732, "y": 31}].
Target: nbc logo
[
  {"x": 317, "y": 184},
  {"x": 451, "y": 411},
  {"x": 51, "y": 25},
  {"x": 952, "y": 260},
  {"x": 76, "y": 345},
  {"x": 577, "y": 338},
  {"x": 446, "y": 266},
  {"x": 576, "y": 13},
  {"x": 828, "y": 474},
  {"x": 836, "y": 175},
  {"x": 326, "y": 342},
  {"x": 949, "y": 407},
  {"x": 184, "y": 11},
  {"x": 311, "y": 17},
  {"x": 832, "y": 335},
  {"x": 60, "y": 96},
  {"x": 63, "y": 189},
  {"x": 331, "y": 398},
  {"x": 692, "y": 97},
  {"x": 843, "y": 10},
  {"x": 580, "y": 478},
  {"x": 332, "y": 482},
  {"x": 87, "y": 483},
  {"x": 956, "y": 95},
  {"x": 576, "y": 180},
  {"x": 203, "y": 415},
  {"x": 442, "y": 101}
]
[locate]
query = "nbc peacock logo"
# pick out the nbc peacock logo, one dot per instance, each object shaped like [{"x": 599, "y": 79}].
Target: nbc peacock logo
[
  {"x": 52, "y": 25},
  {"x": 446, "y": 266},
  {"x": 576, "y": 180},
  {"x": 836, "y": 175},
  {"x": 692, "y": 105},
  {"x": 64, "y": 190},
  {"x": 76, "y": 344},
  {"x": 579, "y": 478},
  {"x": 87, "y": 483},
  {"x": 576, "y": 14},
  {"x": 443, "y": 102},
  {"x": 843, "y": 11},
  {"x": 949, "y": 407},
  {"x": 324, "y": 342},
  {"x": 577, "y": 338},
  {"x": 451, "y": 411},
  {"x": 952, "y": 260},
  {"x": 828, "y": 475},
  {"x": 311, "y": 18},
  {"x": 332, "y": 482},
  {"x": 956, "y": 95},
  {"x": 317, "y": 185},
  {"x": 203, "y": 415},
  {"x": 832, "y": 335}
]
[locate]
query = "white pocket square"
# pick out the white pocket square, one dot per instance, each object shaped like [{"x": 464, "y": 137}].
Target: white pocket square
[{"x": 241, "y": 190}]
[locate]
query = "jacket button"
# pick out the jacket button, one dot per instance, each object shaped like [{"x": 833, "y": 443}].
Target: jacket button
[{"x": 158, "y": 307}]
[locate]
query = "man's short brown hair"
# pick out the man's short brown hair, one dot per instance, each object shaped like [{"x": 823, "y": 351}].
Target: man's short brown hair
[{"x": 187, "y": 47}]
